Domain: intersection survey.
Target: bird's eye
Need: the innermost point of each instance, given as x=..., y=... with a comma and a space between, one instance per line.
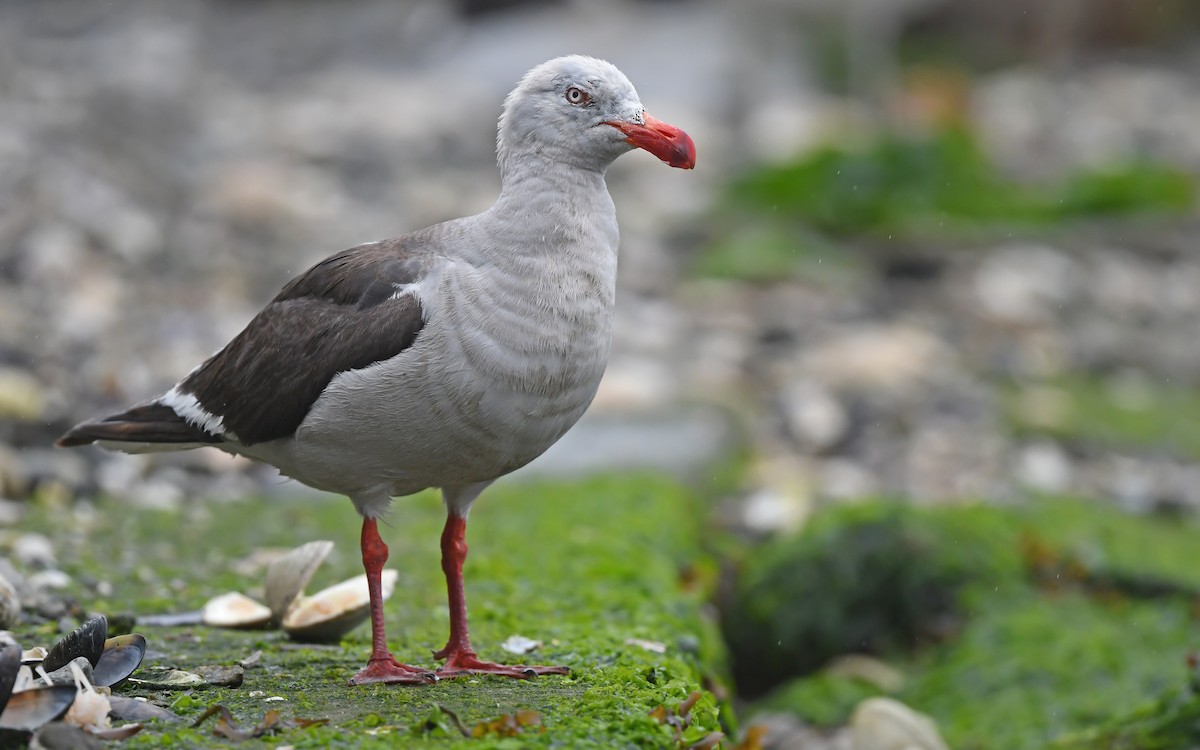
x=576, y=95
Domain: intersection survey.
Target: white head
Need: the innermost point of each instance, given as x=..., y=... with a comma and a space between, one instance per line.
x=584, y=112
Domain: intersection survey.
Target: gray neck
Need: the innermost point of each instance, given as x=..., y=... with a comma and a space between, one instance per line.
x=546, y=206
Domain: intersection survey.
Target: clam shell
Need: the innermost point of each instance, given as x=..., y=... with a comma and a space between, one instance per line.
x=235, y=610
x=288, y=574
x=122, y=655
x=10, y=663
x=87, y=640
x=30, y=709
x=329, y=614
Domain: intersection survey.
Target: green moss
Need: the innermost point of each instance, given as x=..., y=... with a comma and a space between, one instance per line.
x=582, y=567
x=1108, y=414
x=776, y=219
x=1030, y=664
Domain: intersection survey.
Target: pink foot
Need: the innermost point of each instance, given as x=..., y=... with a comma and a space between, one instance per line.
x=467, y=663
x=393, y=672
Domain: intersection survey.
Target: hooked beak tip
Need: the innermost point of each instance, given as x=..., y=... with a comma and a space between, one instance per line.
x=669, y=143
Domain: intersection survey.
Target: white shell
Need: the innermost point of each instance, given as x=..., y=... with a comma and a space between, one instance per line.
x=288, y=574
x=331, y=613
x=235, y=610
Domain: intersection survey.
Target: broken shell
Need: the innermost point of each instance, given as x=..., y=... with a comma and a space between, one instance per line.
x=10, y=664
x=30, y=709
x=65, y=675
x=234, y=610
x=122, y=655
x=171, y=679
x=87, y=640
x=329, y=614
x=35, y=655
x=288, y=574
x=125, y=708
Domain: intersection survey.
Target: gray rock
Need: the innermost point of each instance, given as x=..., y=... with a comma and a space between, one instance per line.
x=10, y=604
x=814, y=416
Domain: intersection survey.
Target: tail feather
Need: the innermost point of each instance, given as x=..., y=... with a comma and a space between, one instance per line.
x=151, y=422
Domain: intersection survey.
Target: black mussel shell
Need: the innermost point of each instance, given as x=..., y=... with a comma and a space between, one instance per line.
x=87, y=640
x=10, y=662
x=122, y=655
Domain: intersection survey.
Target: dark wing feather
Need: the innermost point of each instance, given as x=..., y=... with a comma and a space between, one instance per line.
x=342, y=314
x=151, y=422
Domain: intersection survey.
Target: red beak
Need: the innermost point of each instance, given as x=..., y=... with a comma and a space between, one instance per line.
x=667, y=142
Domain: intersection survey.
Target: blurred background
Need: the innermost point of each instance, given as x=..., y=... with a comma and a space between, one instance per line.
x=943, y=253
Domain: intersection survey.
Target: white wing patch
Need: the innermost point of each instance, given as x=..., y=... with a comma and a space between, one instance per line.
x=186, y=406
x=402, y=290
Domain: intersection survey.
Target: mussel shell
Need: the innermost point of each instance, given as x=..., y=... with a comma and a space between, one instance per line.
x=122, y=655
x=87, y=640
x=10, y=664
x=288, y=574
x=30, y=709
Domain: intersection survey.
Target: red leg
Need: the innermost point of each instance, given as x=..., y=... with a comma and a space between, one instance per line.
x=382, y=667
x=460, y=658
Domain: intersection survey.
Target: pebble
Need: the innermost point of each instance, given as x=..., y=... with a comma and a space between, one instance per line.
x=33, y=551
x=814, y=416
x=887, y=724
x=1044, y=467
x=10, y=605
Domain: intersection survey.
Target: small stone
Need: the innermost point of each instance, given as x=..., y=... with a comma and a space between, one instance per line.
x=1044, y=467
x=222, y=676
x=10, y=510
x=21, y=395
x=49, y=580
x=887, y=724
x=814, y=416
x=868, y=669
x=782, y=501
x=64, y=674
x=10, y=605
x=886, y=357
x=1023, y=284
x=33, y=551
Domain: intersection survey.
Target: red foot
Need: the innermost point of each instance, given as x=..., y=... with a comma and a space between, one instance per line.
x=392, y=672
x=467, y=663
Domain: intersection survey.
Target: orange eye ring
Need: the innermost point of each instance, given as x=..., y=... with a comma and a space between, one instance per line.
x=577, y=96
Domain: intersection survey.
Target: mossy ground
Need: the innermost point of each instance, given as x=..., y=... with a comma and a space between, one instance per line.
x=580, y=566
x=1085, y=660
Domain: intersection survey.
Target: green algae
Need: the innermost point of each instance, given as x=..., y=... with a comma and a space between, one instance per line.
x=1107, y=413
x=1036, y=664
x=582, y=567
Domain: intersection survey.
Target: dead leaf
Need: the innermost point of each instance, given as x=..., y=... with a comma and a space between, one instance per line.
x=707, y=742
x=453, y=717
x=509, y=725
x=753, y=739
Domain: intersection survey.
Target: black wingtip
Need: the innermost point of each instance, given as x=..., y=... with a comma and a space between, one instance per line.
x=151, y=422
